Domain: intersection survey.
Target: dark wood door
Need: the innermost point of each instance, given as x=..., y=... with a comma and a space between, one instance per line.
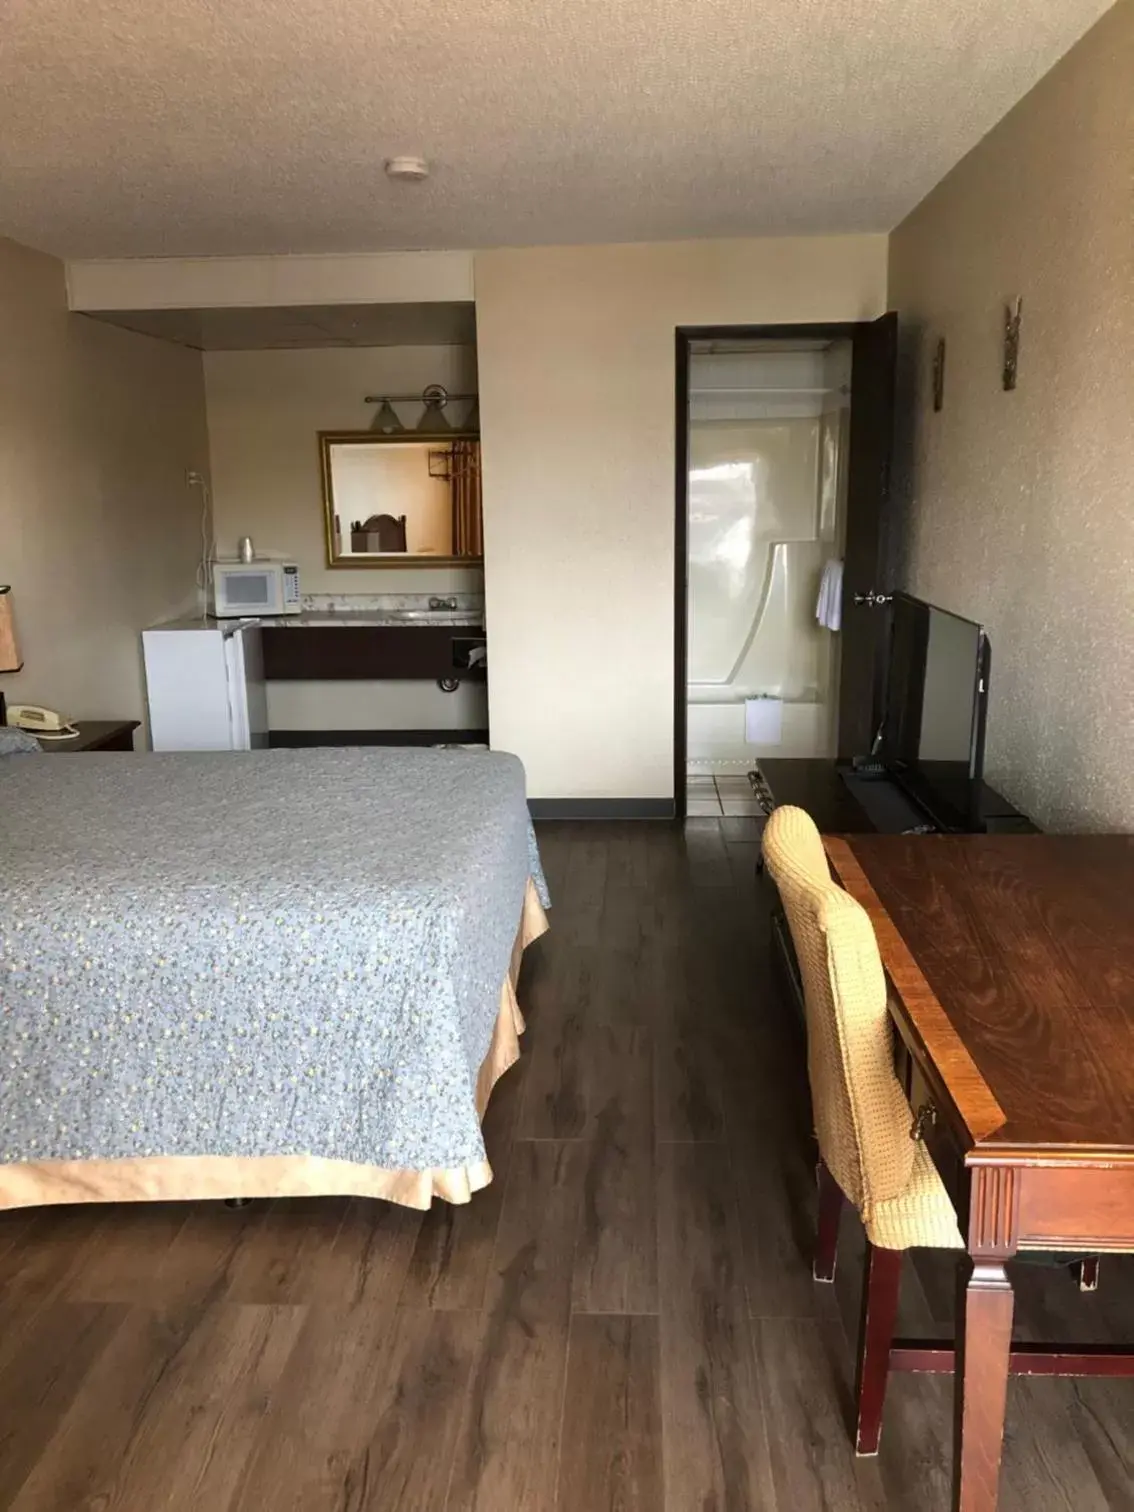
x=863, y=635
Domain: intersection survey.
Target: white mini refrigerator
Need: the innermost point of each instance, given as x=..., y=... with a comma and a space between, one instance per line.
x=205, y=687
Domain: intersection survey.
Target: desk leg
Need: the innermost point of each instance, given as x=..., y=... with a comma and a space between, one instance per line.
x=980, y=1384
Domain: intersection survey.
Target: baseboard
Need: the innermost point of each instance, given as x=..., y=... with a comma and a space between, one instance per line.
x=601, y=808
x=304, y=738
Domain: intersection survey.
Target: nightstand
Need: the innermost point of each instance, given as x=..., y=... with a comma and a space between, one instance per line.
x=96, y=735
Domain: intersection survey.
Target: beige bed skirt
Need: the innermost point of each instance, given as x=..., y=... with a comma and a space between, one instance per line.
x=166, y=1178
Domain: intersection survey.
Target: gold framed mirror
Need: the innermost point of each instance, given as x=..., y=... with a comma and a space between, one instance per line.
x=402, y=500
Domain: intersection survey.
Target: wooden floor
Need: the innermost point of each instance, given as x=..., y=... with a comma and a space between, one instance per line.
x=624, y=1320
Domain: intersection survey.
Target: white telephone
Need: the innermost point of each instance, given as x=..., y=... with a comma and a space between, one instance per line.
x=43, y=723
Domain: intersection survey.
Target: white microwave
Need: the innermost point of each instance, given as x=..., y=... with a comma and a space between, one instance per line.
x=241, y=590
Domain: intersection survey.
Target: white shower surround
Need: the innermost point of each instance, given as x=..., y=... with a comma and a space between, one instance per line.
x=767, y=489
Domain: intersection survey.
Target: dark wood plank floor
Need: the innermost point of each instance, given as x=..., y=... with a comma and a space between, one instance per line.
x=623, y=1322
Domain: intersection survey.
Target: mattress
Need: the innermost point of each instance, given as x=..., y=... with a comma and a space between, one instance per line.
x=239, y=957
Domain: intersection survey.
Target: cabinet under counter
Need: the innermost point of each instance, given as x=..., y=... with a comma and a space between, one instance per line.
x=351, y=652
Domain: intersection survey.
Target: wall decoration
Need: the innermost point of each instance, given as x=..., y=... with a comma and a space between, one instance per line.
x=1011, y=343
x=939, y=376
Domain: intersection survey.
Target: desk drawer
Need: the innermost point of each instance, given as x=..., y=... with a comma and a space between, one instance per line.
x=1076, y=1207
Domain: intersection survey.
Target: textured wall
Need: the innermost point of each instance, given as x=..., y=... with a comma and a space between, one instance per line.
x=576, y=357
x=1021, y=505
x=99, y=534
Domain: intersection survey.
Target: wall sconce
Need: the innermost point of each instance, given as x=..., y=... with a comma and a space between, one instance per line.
x=433, y=417
x=10, y=658
x=1012, y=315
x=385, y=421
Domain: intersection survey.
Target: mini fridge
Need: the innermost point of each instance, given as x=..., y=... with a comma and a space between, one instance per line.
x=205, y=686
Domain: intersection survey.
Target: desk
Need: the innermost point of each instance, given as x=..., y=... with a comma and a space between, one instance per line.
x=1012, y=964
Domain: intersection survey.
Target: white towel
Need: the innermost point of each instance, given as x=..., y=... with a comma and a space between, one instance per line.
x=829, y=608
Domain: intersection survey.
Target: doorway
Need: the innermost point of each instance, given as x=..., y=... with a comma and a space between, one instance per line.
x=782, y=477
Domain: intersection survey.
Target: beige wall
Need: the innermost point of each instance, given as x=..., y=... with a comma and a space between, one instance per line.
x=99, y=534
x=265, y=412
x=576, y=358
x=1021, y=505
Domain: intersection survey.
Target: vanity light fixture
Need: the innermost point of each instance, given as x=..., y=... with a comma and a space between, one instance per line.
x=435, y=400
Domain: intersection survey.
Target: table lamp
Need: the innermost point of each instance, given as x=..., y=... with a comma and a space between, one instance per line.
x=10, y=658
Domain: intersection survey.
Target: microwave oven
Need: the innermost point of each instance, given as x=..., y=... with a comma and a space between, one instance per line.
x=242, y=590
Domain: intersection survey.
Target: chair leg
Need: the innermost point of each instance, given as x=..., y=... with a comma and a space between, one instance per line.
x=831, y=1202
x=1088, y=1271
x=882, y=1275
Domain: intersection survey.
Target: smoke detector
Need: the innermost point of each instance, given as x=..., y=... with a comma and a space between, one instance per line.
x=408, y=170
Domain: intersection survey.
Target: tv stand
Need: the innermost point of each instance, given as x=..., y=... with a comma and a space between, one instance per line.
x=839, y=800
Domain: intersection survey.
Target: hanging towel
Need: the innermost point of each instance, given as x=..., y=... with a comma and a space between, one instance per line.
x=829, y=609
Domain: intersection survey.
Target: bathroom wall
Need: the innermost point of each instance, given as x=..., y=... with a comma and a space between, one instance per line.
x=767, y=457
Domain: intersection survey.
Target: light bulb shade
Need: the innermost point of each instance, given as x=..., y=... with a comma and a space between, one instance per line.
x=433, y=418
x=10, y=658
x=385, y=420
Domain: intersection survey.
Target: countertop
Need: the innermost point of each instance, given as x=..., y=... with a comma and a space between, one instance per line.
x=457, y=619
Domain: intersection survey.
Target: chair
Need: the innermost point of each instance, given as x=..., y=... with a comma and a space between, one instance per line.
x=869, y=1148
x=863, y=1121
x=381, y=532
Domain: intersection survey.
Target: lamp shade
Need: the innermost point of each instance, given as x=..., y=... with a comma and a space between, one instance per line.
x=10, y=658
x=386, y=421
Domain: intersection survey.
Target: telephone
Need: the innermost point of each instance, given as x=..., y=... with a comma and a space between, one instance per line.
x=44, y=723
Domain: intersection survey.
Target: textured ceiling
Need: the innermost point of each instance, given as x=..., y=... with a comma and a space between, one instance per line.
x=250, y=328
x=196, y=127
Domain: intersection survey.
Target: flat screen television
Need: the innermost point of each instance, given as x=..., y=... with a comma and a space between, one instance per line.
x=935, y=702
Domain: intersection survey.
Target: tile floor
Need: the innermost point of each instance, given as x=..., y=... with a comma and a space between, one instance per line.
x=708, y=797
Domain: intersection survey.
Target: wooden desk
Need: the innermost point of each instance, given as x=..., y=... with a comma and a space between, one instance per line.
x=1012, y=960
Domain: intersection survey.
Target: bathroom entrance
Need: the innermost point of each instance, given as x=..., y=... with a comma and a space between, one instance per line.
x=783, y=465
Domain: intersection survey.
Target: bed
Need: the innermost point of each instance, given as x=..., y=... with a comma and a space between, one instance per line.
x=262, y=974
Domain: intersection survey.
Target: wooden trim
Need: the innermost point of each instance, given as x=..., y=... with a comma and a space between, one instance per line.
x=292, y=739
x=936, y=1044
x=936, y=1357
x=326, y=440
x=601, y=808
x=826, y=330
x=681, y=572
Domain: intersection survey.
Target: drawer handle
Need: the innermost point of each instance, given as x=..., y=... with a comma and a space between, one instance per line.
x=924, y=1120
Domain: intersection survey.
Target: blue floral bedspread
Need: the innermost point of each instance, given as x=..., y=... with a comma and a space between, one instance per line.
x=263, y=953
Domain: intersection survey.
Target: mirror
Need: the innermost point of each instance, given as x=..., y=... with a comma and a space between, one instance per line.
x=401, y=500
